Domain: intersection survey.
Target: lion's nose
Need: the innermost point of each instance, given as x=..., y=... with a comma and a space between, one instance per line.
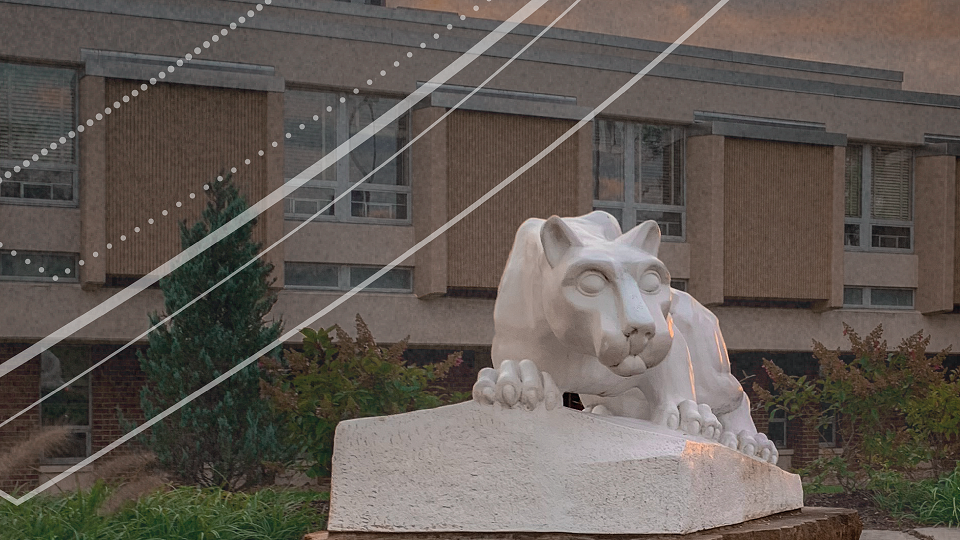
x=645, y=330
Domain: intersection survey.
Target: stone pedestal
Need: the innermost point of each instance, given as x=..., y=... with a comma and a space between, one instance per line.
x=806, y=524
x=485, y=469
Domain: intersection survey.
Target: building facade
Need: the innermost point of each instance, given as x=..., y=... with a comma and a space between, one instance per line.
x=792, y=195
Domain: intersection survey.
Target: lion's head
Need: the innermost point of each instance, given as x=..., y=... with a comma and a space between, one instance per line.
x=608, y=298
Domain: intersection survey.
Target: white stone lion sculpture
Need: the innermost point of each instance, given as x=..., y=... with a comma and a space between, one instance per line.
x=584, y=308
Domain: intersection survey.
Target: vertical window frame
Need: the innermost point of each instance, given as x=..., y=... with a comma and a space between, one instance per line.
x=866, y=222
x=342, y=211
x=8, y=164
x=629, y=208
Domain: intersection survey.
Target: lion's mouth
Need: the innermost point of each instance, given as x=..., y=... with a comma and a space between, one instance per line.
x=630, y=366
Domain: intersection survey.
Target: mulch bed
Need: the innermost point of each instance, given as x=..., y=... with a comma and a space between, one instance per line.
x=872, y=516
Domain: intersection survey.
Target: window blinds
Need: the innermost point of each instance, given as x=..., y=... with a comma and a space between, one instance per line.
x=37, y=107
x=891, y=172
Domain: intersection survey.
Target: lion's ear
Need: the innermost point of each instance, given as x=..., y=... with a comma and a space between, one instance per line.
x=645, y=236
x=557, y=238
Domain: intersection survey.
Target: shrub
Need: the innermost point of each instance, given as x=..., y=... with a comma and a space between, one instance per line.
x=889, y=406
x=331, y=381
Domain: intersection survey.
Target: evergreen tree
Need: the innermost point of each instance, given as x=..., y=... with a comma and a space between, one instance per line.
x=224, y=436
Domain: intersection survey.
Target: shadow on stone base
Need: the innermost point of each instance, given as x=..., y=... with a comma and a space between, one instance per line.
x=809, y=523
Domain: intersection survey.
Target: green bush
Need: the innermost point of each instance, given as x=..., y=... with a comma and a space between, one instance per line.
x=331, y=381
x=187, y=513
x=894, y=409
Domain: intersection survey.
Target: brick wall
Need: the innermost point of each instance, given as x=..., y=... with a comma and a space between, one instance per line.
x=116, y=385
x=19, y=389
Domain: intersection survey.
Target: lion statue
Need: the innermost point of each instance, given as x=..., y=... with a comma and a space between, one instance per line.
x=585, y=308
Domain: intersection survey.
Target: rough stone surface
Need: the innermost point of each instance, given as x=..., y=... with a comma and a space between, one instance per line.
x=469, y=467
x=940, y=533
x=886, y=535
x=808, y=524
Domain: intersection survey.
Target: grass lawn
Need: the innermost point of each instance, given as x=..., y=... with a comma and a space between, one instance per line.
x=182, y=513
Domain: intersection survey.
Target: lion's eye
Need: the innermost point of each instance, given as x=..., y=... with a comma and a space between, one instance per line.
x=650, y=282
x=591, y=283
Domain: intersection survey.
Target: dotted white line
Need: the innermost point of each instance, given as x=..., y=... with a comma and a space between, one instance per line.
x=161, y=75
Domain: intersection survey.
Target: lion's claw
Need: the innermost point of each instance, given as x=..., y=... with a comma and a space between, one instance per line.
x=755, y=445
x=516, y=383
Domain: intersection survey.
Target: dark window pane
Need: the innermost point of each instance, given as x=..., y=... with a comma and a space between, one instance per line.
x=659, y=165
x=853, y=182
x=317, y=138
x=853, y=296
x=10, y=189
x=400, y=279
x=891, y=297
x=890, y=237
x=70, y=406
x=312, y=275
x=777, y=428
x=851, y=234
x=28, y=264
x=37, y=106
x=608, y=161
x=679, y=284
x=37, y=191
x=379, y=149
x=671, y=223
x=63, y=192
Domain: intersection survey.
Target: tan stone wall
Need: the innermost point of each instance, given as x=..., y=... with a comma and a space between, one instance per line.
x=778, y=211
x=164, y=146
x=483, y=150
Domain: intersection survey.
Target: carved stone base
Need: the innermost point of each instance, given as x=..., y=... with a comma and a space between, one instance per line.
x=805, y=524
x=474, y=468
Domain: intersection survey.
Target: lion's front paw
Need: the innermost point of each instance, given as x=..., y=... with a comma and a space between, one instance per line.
x=690, y=417
x=755, y=445
x=516, y=383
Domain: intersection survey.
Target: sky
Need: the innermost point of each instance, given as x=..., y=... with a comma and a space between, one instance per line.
x=921, y=38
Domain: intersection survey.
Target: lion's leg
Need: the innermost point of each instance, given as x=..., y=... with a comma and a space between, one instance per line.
x=631, y=404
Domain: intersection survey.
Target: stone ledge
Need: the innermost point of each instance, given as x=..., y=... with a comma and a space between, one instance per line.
x=807, y=523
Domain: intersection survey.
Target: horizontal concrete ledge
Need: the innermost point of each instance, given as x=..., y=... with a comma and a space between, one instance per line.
x=768, y=133
x=807, y=523
x=939, y=149
x=507, y=105
x=142, y=67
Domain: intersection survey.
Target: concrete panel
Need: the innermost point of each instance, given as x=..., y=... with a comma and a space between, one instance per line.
x=40, y=228
x=429, y=186
x=93, y=184
x=705, y=218
x=347, y=243
x=935, y=230
x=880, y=269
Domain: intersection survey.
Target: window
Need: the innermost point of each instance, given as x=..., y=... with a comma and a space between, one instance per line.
x=638, y=174
x=678, y=284
x=382, y=198
x=878, y=198
x=38, y=266
x=337, y=277
x=37, y=111
x=828, y=432
x=777, y=428
x=69, y=407
x=876, y=297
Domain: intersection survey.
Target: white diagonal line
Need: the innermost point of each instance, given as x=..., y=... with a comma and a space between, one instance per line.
x=443, y=228
x=302, y=224
x=277, y=195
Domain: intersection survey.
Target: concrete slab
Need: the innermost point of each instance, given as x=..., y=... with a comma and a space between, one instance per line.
x=886, y=535
x=940, y=533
